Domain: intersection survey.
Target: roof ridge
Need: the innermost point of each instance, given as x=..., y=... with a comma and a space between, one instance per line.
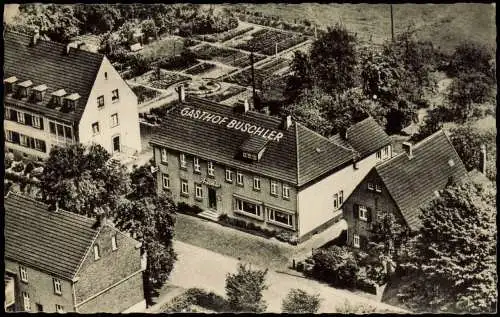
x=324, y=137
x=297, y=152
x=359, y=122
x=425, y=140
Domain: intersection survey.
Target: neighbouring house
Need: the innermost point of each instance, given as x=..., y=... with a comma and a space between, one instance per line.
x=58, y=261
x=401, y=185
x=273, y=172
x=58, y=94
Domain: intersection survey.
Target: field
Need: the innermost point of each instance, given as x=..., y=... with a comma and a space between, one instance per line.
x=266, y=41
x=446, y=25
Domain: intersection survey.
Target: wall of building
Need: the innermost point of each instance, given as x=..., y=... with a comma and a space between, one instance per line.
x=95, y=276
x=41, y=134
x=315, y=202
x=225, y=198
x=40, y=287
x=117, y=299
x=125, y=106
x=376, y=201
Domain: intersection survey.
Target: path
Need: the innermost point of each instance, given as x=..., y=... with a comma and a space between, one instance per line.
x=197, y=267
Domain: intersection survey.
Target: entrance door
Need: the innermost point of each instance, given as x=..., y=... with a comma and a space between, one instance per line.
x=212, y=198
x=116, y=144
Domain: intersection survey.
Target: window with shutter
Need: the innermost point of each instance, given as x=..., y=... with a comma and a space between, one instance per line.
x=356, y=211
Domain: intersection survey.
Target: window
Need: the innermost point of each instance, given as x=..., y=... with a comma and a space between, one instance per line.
x=274, y=188
x=229, y=175
x=63, y=131
x=256, y=182
x=378, y=155
x=23, y=273
x=356, y=241
x=114, y=120
x=26, y=301
x=9, y=136
x=164, y=156
x=184, y=188
x=196, y=164
x=97, y=254
x=100, y=101
x=59, y=309
x=39, y=307
x=57, y=286
x=248, y=208
x=363, y=213
x=114, y=245
x=36, y=122
x=165, y=181
x=286, y=191
x=95, y=128
x=210, y=168
x=378, y=188
x=239, y=178
x=370, y=186
x=280, y=217
x=387, y=151
x=341, y=197
x=198, y=191
x=40, y=145
x=182, y=158
x=338, y=199
x=115, y=95
x=24, y=140
x=20, y=117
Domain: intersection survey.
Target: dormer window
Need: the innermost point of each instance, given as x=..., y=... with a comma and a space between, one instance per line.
x=57, y=97
x=39, y=92
x=23, y=88
x=9, y=84
x=71, y=100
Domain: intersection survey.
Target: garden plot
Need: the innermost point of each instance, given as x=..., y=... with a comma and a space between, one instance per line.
x=264, y=74
x=225, y=55
x=145, y=94
x=227, y=93
x=200, y=69
x=267, y=41
x=163, y=80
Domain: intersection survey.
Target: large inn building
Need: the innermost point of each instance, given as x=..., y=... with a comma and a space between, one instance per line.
x=56, y=94
x=275, y=173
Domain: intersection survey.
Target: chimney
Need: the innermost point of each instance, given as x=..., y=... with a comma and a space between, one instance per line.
x=36, y=36
x=245, y=106
x=71, y=45
x=182, y=93
x=482, y=161
x=80, y=45
x=408, y=148
x=287, y=122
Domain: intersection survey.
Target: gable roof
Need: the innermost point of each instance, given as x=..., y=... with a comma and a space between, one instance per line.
x=413, y=182
x=53, y=241
x=365, y=137
x=292, y=159
x=47, y=63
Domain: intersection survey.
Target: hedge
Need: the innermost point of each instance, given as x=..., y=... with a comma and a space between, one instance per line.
x=246, y=226
x=188, y=209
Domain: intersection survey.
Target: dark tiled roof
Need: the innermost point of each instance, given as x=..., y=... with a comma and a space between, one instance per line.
x=367, y=137
x=293, y=159
x=253, y=144
x=413, y=182
x=53, y=241
x=47, y=63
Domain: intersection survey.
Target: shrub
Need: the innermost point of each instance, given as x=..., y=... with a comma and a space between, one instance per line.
x=300, y=266
x=244, y=290
x=29, y=167
x=19, y=167
x=367, y=285
x=181, y=303
x=8, y=159
x=287, y=236
x=298, y=301
x=188, y=209
x=207, y=300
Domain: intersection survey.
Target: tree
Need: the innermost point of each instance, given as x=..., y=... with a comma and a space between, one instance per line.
x=81, y=180
x=467, y=141
x=433, y=122
x=303, y=76
x=333, y=59
x=336, y=265
x=299, y=302
x=471, y=57
x=143, y=181
x=244, y=289
x=150, y=219
x=149, y=28
x=453, y=258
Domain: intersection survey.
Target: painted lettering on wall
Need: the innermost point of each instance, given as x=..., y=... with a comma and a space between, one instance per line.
x=249, y=128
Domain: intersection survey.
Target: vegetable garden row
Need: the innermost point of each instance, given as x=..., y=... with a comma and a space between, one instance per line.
x=264, y=41
x=225, y=56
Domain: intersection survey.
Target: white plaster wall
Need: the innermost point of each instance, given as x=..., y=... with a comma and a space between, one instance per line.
x=126, y=107
x=315, y=203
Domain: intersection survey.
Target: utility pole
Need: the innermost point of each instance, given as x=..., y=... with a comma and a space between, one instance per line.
x=392, y=25
x=253, y=77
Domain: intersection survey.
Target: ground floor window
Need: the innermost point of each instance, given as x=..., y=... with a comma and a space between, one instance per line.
x=26, y=301
x=280, y=217
x=248, y=208
x=198, y=191
x=166, y=181
x=26, y=141
x=184, y=188
x=356, y=241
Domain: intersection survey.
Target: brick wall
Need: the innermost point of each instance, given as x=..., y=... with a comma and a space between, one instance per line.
x=40, y=288
x=376, y=201
x=116, y=299
x=112, y=267
x=225, y=199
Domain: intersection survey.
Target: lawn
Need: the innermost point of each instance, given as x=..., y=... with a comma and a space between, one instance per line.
x=233, y=243
x=165, y=47
x=446, y=25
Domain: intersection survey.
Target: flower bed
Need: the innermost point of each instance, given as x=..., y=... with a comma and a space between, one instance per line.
x=144, y=94
x=166, y=80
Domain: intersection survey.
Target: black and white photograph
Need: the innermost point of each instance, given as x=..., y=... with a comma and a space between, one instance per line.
x=250, y=158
